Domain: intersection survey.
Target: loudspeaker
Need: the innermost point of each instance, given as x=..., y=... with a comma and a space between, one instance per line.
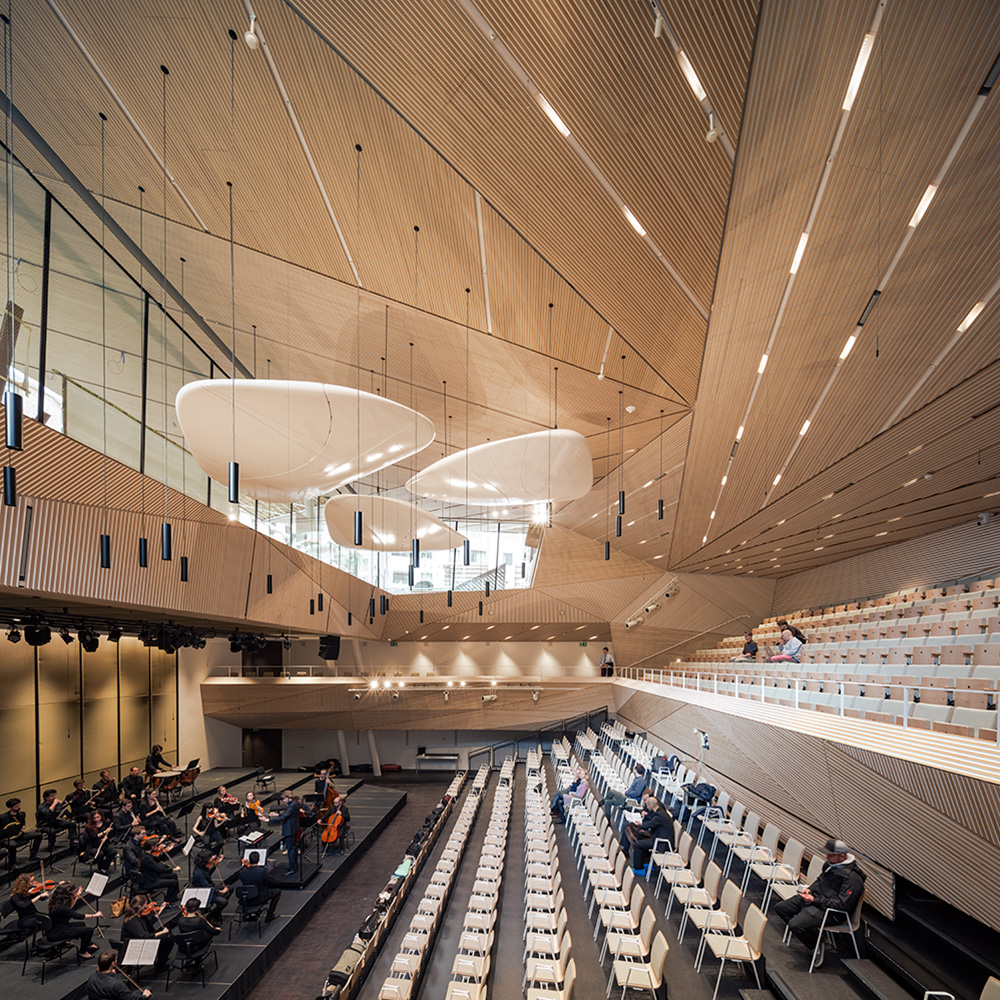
x=329, y=647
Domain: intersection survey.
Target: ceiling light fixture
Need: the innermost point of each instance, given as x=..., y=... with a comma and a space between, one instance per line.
x=633, y=221
x=551, y=114
x=692, y=77
x=739, y=433
x=851, y=340
x=762, y=365
x=725, y=480
x=253, y=42
x=777, y=479
x=799, y=251
x=805, y=427
x=971, y=318
x=923, y=205
x=859, y=70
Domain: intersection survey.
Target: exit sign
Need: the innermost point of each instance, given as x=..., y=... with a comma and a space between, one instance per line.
x=583, y=644
x=393, y=643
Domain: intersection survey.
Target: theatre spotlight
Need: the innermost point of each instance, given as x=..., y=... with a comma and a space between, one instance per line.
x=114, y=633
x=65, y=636
x=14, y=635
x=89, y=639
x=37, y=635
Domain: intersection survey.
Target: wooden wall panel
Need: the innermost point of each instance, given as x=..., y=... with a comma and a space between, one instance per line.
x=888, y=794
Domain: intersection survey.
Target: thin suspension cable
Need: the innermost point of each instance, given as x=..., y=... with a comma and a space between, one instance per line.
x=8, y=59
x=166, y=456
x=104, y=335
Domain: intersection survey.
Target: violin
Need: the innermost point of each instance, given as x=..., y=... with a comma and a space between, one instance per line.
x=257, y=808
x=36, y=887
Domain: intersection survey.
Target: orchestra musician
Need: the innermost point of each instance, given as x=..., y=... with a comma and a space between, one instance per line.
x=253, y=813
x=94, y=846
x=104, y=984
x=155, y=761
x=105, y=792
x=24, y=893
x=48, y=820
x=335, y=823
x=79, y=801
x=132, y=852
x=208, y=829
x=125, y=819
x=155, y=873
x=133, y=783
x=193, y=925
x=141, y=919
x=262, y=880
x=228, y=806
x=65, y=925
x=154, y=818
x=203, y=877
x=12, y=831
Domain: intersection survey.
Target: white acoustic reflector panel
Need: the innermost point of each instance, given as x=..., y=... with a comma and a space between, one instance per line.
x=531, y=468
x=295, y=440
x=388, y=525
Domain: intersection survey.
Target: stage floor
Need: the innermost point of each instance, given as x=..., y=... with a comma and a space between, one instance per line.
x=243, y=959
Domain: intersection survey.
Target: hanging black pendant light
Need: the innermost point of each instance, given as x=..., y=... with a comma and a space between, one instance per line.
x=166, y=541
x=270, y=579
x=350, y=618
x=105, y=551
x=480, y=608
x=14, y=404
x=9, y=486
x=312, y=606
x=618, y=525
x=467, y=552
x=319, y=602
x=416, y=551
x=358, y=527
x=184, y=569
x=607, y=551
x=421, y=616
x=449, y=598
x=234, y=482
x=144, y=553
x=371, y=608
x=487, y=588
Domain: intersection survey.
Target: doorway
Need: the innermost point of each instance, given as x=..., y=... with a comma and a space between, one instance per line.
x=262, y=748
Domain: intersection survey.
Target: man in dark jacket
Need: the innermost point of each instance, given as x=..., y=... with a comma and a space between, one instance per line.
x=288, y=818
x=261, y=880
x=105, y=985
x=839, y=887
x=655, y=826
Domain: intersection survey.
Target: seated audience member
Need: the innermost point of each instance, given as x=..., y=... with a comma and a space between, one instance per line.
x=749, y=654
x=791, y=649
x=561, y=800
x=783, y=624
x=838, y=887
x=643, y=836
x=104, y=984
x=261, y=880
x=634, y=791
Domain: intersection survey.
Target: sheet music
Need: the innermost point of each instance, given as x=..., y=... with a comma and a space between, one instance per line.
x=261, y=853
x=97, y=884
x=203, y=896
x=141, y=951
x=186, y=849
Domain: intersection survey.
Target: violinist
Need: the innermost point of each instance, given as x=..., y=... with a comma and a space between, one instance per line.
x=24, y=893
x=193, y=925
x=105, y=985
x=65, y=925
x=12, y=831
x=155, y=874
x=133, y=783
x=94, y=846
x=203, y=877
x=261, y=879
x=253, y=813
x=47, y=819
x=79, y=801
x=105, y=792
x=154, y=818
x=141, y=919
x=207, y=829
x=155, y=761
x=125, y=819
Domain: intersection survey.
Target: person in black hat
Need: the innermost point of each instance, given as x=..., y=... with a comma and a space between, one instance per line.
x=839, y=887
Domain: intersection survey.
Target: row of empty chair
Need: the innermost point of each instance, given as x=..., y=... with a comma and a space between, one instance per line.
x=418, y=942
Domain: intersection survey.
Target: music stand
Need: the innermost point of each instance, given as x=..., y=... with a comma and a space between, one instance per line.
x=184, y=811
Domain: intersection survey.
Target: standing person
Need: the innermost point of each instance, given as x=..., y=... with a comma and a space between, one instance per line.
x=289, y=820
x=260, y=878
x=606, y=663
x=749, y=653
x=105, y=985
x=791, y=649
x=13, y=832
x=838, y=887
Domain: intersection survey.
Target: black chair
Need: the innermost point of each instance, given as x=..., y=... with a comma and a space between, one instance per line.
x=10, y=933
x=248, y=909
x=190, y=956
x=48, y=951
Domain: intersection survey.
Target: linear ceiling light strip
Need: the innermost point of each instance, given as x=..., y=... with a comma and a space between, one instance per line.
x=845, y=111
x=664, y=28
x=883, y=283
x=538, y=98
x=482, y=262
x=77, y=41
x=306, y=152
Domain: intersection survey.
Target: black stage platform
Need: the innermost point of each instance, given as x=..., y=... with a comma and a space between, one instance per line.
x=243, y=959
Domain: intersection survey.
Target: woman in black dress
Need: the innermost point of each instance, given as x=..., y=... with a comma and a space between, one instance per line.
x=24, y=894
x=95, y=844
x=65, y=925
x=141, y=919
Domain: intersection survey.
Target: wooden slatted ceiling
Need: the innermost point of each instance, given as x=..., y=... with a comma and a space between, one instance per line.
x=828, y=297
